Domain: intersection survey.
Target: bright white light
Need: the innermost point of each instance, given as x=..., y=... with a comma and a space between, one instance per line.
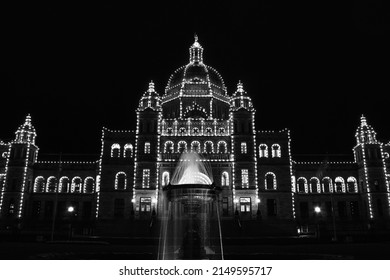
x=70, y=209
x=317, y=209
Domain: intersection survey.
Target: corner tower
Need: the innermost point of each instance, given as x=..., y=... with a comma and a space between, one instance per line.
x=17, y=185
x=370, y=159
x=145, y=193
x=243, y=142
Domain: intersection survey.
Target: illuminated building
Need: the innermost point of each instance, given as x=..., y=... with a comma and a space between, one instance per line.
x=261, y=180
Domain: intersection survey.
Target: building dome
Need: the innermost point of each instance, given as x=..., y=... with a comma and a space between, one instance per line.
x=196, y=78
x=195, y=90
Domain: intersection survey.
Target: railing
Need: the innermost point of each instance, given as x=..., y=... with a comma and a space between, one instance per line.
x=206, y=156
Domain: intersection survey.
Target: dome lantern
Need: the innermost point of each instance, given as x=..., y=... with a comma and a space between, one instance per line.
x=196, y=52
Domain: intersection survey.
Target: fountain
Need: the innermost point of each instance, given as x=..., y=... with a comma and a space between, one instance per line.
x=190, y=225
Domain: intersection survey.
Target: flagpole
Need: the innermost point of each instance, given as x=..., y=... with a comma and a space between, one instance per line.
x=333, y=216
x=56, y=199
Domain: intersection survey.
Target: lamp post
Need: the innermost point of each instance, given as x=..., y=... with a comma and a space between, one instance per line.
x=236, y=214
x=132, y=213
x=333, y=218
x=258, y=209
x=70, y=212
x=154, y=214
x=317, y=211
x=56, y=198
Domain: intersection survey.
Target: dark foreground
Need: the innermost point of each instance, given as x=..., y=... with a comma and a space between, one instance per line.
x=146, y=249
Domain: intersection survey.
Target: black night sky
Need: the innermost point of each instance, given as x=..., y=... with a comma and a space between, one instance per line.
x=311, y=67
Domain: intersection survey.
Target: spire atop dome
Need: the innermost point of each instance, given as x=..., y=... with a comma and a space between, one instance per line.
x=196, y=51
x=240, y=87
x=151, y=87
x=363, y=121
x=240, y=90
x=28, y=120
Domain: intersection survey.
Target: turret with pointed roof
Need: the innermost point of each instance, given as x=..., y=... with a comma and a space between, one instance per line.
x=26, y=132
x=150, y=99
x=365, y=134
x=241, y=99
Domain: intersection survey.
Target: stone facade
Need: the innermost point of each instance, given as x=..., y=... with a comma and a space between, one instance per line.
x=259, y=177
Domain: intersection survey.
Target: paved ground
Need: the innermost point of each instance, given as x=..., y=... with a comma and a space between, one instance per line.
x=104, y=250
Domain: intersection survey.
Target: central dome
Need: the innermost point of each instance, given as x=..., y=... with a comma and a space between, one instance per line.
x=196, y=78
x=195, y=91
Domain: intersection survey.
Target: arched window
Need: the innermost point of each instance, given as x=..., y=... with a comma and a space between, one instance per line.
x=51, y=185
x=222, y=147
x=76, y=185
x=327, y=185
x=195, y=146
x=182, y=147
x=168, y=147
x=128, y=151
x=208, y=147
x=39, y=184
x=11, y=206
x=2, y=177
x=146, y=178
x=244, y=178
x=115, y=150
x=315, y=185
x=352, y=185
x=276, y=153
x=120, y=180
x=263, y=151
x=225, y=179
x=89, y=185
x=340, y=185
x=270, y=181
x=64, y=185
x=302, y=185
x=165, y=178
x=243, y=148
x=147, y=148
